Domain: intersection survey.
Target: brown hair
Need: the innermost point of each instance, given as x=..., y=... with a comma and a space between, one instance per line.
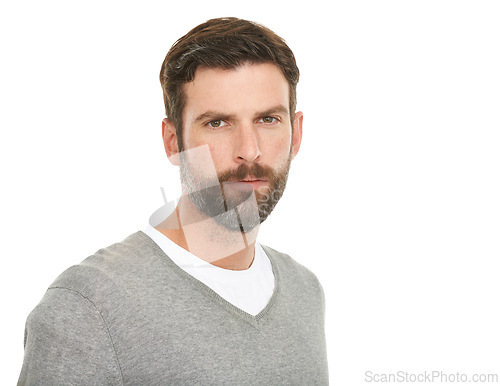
x=222, y=43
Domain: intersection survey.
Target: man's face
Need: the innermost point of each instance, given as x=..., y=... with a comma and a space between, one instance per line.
x=242, y=117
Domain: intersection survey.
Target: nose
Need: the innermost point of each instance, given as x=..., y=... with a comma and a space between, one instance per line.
x=247, y=144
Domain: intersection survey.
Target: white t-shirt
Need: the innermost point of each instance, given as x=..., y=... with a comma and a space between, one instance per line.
x=249, y=290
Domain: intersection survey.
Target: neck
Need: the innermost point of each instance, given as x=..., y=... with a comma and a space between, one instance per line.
x=208, y=240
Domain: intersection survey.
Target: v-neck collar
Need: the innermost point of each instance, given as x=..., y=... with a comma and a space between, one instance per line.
x=255, y=320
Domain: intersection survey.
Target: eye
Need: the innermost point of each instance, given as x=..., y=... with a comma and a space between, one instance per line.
x=269, y=120
x=217, y=123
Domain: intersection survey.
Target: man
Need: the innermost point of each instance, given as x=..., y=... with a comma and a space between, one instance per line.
x=194, y=299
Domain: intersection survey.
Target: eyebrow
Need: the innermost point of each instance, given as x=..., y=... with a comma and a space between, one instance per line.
x=279, y=109
x=211, y=114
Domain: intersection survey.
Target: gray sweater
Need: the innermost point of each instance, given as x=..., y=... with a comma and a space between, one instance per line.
x=128, y=315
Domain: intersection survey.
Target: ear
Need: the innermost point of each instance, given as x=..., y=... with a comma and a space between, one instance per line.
x=297, y=133
x=169, y=134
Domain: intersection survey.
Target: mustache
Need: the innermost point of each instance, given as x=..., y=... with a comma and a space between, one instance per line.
x=243, y=171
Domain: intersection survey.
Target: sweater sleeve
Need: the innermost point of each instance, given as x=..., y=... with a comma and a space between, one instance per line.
x=67, y=343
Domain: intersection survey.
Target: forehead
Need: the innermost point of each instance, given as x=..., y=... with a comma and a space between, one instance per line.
x=245, y=89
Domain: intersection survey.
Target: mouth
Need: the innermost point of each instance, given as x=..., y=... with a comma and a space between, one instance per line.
x=250, y=179
x=248, y=182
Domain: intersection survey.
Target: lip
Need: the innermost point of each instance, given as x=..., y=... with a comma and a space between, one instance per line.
x=254, y=183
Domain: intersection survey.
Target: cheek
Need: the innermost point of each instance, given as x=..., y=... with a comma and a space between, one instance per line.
x=211, y=150
x=221, y=156
x=279, y=148
x=217, y=151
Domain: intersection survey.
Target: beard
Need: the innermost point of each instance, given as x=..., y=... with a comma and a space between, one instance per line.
x=236, y=208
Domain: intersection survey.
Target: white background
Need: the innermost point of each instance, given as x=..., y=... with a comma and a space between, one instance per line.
x=392, y=200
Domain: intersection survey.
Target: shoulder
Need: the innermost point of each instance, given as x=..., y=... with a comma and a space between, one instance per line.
x=293, y=271
x=110, y=270
x=287, y=261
